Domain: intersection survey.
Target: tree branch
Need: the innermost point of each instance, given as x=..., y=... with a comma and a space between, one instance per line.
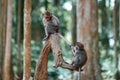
x=41, y=67
x=57, y=53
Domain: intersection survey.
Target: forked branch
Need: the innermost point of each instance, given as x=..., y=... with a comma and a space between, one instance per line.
x=41, y=67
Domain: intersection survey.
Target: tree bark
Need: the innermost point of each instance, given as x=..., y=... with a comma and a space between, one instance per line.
x=2, y=34
x=4, y=24
x=87, y=33
x=105, y=39
x=115, y=35
x=57, y=53
x=74, y=22
x=46, y=4
x=119, y=20
x=7, y=61
x=27, y=40
x=19, y=37
x=1, y=41
x=56, y=3
x=41, y=67
x=115, y=39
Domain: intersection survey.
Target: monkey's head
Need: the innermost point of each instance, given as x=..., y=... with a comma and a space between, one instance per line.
x=78, y=47
x=47, y=16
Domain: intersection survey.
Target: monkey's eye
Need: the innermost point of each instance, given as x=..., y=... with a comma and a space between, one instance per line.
x=77, y=48
x=73, y=50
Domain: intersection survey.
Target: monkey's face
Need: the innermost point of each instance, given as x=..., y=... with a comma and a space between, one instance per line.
x=75, y=49
x=47, y=18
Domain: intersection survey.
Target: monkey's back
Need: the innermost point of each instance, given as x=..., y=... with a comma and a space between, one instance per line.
x=51, y=28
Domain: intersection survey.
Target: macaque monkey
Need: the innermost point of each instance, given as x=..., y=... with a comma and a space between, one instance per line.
x=51, y=24
x=80, y=57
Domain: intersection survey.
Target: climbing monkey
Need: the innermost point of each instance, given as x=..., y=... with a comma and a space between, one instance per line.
x=80, y=57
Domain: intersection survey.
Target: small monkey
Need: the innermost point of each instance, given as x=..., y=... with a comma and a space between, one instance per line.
x=80, y=57
x=51, y=24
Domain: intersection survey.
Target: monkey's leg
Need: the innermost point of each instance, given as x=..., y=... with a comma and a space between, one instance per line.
x=46, y=34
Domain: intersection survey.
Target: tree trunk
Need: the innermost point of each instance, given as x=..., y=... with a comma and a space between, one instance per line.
x=105, y=39
x=1, y=41
x=56, y=3
x=19, y=38
x=7, y=61
x=27, y=40
x=46, y=4
x=73, y=29
x=115, y=39
x=41, y=67
x=87, y=33
x=4, y=25
x=73, y=22
x=2, y=34
x=119, y=20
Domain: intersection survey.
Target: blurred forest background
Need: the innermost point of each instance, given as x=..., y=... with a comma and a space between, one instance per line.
x=93, y=22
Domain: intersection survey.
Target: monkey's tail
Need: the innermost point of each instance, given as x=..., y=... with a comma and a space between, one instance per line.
x=64, y=39
x=79, y=74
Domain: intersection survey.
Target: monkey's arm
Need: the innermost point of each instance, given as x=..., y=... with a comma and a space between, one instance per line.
x=52, y=24
x=55, y=20
x=75, y=63
x=45, y=23
x=64, y=39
